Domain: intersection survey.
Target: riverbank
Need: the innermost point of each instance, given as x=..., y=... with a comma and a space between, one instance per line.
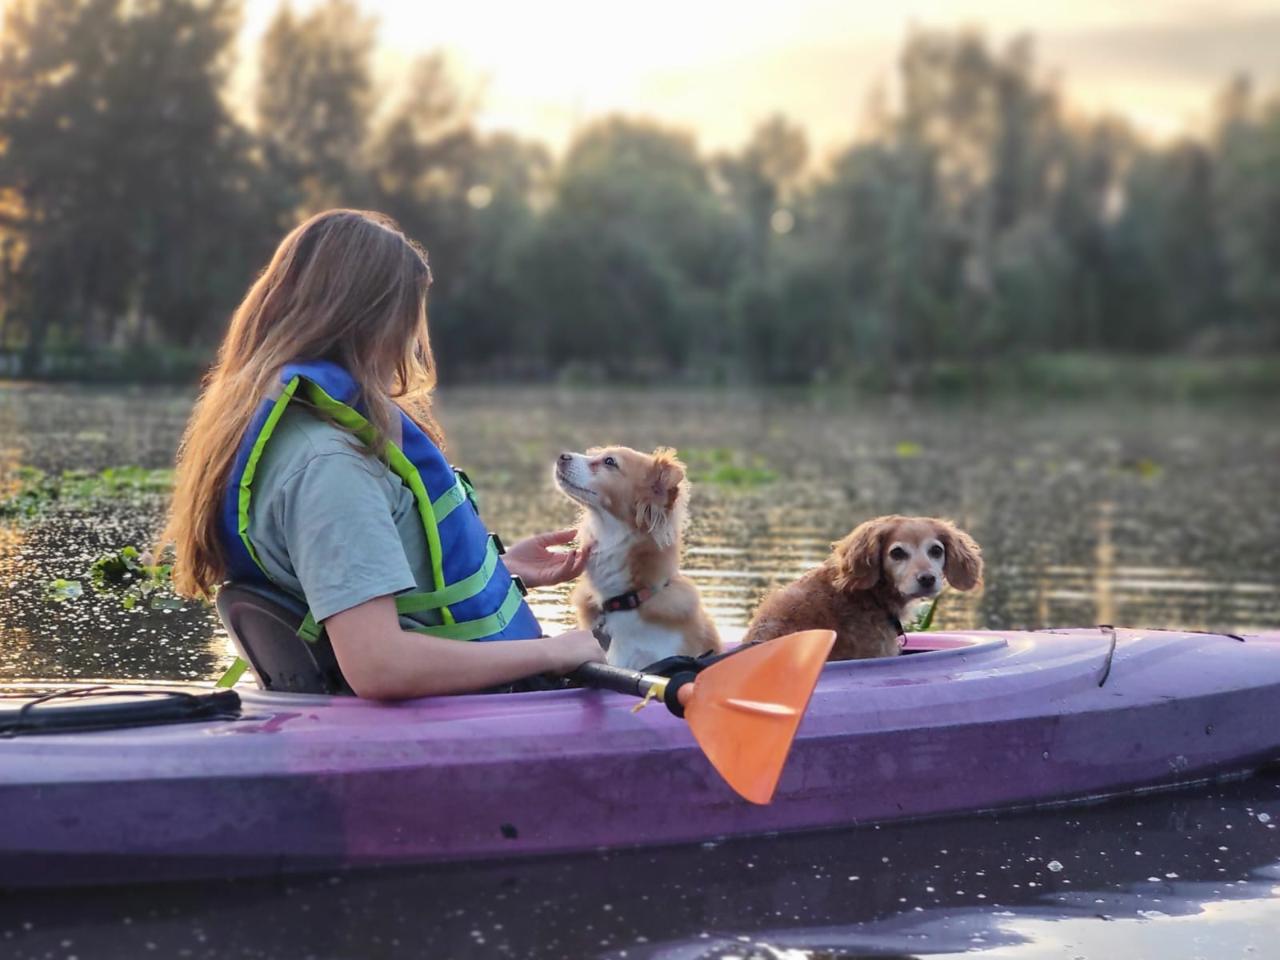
x=1058, y=375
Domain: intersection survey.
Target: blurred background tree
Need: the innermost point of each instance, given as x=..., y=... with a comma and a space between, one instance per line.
x=128, y=181
x=975, y=220
x=314, y=100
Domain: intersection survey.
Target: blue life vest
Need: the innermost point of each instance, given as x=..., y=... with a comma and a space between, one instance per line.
x=476, y=597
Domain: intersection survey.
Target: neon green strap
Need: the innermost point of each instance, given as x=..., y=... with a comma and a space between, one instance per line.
x=251, y=467
x=464, y=589
x=448, y=501
x=484, y=627
x=401, y=466
x=407, y=603
x=233, y=674
x=309, y=630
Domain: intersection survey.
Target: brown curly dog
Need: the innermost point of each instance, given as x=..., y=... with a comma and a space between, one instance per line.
x=873, y=576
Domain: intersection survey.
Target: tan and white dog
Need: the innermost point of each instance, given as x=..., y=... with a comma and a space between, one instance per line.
x=632, y=594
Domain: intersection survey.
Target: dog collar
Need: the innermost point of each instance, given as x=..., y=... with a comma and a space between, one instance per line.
x=896, y=623
x=629, y=600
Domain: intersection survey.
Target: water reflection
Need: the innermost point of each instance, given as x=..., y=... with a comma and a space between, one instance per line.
x=1137, y=515
x=1163, y=876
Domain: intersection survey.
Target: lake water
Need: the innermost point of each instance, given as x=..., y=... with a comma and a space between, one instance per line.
x=1132, y=514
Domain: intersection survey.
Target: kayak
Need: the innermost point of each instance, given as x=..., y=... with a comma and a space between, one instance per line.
x=963, y=722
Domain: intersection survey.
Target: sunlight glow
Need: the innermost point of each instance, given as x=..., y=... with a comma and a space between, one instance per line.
x=719, y=66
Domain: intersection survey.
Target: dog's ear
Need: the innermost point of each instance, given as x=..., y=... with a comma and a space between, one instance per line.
x=963, y=566
x=856, y=558
x=662, y=498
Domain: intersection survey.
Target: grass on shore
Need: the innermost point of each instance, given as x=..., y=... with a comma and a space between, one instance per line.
x=1051, y=375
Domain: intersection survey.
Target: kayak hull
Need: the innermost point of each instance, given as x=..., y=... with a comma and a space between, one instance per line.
x=973, y=722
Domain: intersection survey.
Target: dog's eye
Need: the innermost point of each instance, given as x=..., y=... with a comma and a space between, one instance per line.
x=935, y=552
x=611, y=462
x=897, y=553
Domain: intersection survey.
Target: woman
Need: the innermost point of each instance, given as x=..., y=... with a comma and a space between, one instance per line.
x=312, y=462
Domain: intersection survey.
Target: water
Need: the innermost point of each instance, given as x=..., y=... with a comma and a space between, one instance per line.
x=1144, y=516
x=1176, y=876
x=1137, y=515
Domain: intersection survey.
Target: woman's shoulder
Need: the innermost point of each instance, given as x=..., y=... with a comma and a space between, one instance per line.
x=298, y=420
x=300, y=439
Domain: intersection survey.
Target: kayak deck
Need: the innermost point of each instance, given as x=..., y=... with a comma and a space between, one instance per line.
x=973, y=721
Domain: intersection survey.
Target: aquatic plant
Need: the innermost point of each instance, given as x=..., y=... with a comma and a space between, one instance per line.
x=136, y=577
x=724, y=467
x=1144, y=468
x=60, y=591
x=38, y=493
x=923, y=620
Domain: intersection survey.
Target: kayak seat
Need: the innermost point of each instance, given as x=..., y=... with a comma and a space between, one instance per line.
x=263, y=623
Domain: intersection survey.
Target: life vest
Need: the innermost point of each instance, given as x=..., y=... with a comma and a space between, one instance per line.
x=477, y=599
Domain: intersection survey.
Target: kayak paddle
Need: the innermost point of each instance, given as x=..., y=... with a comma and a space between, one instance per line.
x=743, y=710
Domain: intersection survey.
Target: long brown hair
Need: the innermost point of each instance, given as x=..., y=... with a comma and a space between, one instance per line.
x=346, y=286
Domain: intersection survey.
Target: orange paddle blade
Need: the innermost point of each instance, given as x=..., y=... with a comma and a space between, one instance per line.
x=744, y=710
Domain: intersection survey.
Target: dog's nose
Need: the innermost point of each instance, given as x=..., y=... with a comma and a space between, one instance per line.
x=566, y=457
x=927, y=580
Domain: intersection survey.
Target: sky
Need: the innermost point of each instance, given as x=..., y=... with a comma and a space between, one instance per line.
x=718, y=67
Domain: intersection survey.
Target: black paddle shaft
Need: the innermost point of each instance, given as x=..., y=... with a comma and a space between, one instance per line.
x=633, y=682
x=618, y=679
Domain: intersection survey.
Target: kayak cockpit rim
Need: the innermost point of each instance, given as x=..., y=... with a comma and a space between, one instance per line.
x=927, y=648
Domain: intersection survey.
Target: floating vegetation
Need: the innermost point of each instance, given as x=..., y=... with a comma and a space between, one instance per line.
x=923, y=620
x=1143, y=467
x=33, y=494
x=60, y=591
x=39, y=493
x=136, y=577
x=723, y=467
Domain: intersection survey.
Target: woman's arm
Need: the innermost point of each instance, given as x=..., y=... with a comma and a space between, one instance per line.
x=382, y=661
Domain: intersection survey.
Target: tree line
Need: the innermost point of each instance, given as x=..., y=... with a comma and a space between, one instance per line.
x=975, y=216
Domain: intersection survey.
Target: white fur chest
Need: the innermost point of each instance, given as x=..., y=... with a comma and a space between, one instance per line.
x=609, y=566
x=635, y=643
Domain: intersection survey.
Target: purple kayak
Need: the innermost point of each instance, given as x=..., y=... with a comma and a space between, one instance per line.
x=966, y=722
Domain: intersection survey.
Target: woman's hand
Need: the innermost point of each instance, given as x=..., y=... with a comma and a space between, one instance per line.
x=568, y=651
x=537, y=566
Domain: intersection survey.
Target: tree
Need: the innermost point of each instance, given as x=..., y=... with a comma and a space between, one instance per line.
x=314, y=100
x=126, y=164
x=764, y=177
x=1247, y=202
x=630, y=261
x=1165, y=276
x=467, y=197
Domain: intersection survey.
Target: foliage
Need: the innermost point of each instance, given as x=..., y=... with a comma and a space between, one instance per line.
x=125, y=175
x=38, y=492
x=923, y=620
x=32, y=492
x=976, y=226
x=137, y=578
x=314, y=97
x=722, y=467
x=60, y=591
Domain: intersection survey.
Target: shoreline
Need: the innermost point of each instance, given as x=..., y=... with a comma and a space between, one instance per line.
x=1067, y=376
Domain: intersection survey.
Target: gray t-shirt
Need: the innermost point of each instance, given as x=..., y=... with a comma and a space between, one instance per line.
x=332, y=524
